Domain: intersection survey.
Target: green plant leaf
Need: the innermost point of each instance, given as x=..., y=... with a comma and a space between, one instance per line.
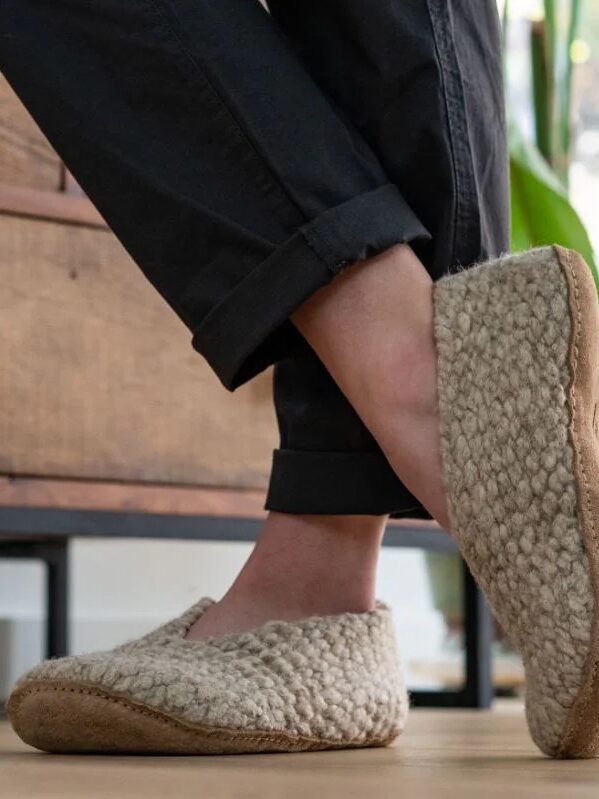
x=543, y=87
x=541, y=211
x=564, y=92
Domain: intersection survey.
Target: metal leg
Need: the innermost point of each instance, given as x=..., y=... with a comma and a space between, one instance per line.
x=478, y=629
x=57, y=619
x=477, y=691
x=55, y=555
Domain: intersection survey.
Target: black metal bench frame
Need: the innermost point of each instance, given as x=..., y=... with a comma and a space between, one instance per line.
x=43, y=534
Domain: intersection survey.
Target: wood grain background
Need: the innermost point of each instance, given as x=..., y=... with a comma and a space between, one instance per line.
x=26, y=158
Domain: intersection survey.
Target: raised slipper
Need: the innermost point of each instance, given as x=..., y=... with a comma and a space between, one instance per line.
x=328, y=682
x=518, y=380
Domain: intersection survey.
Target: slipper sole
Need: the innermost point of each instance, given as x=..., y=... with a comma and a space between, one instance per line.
x=68, y=717
x=581, y=738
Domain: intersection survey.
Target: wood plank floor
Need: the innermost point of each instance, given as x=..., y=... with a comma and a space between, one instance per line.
x=444, y=754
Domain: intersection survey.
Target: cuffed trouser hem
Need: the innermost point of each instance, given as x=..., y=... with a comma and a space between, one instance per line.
x=345, y=483
x=249, y=329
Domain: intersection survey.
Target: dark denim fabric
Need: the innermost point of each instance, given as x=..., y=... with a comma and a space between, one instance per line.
x=245, y=159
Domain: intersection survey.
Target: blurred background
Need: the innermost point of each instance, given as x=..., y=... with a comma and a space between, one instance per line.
x=92, y=362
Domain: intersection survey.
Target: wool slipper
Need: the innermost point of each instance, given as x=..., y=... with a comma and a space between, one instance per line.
x=330, y=682
x=518, y=381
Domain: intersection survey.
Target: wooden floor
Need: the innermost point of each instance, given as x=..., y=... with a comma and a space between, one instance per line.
x=444, y=754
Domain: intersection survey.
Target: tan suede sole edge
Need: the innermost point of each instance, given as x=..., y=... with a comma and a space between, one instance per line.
x=581, y=737
x=64, y=716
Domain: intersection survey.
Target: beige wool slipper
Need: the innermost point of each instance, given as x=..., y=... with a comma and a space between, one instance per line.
x=518, y=379
x=328, y=682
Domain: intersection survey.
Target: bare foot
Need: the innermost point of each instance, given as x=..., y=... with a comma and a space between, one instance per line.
x=301, y=566
x=373, y=329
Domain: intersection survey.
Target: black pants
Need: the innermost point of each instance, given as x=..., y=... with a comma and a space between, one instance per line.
x=244, y=159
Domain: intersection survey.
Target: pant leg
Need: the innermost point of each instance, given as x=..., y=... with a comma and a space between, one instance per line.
x=422, y=82
x=328, y=463
x=131, y=95
x=233, y=181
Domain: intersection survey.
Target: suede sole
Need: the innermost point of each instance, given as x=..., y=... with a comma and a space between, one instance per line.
x=581, y=738
x=67, y=717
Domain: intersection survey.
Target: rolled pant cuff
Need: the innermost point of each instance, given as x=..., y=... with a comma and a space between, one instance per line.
x=250, y=329
x=338, y=483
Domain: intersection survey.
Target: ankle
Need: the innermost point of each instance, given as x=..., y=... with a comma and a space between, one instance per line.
x=315, y=562
x=273, y=599
x=301, y=566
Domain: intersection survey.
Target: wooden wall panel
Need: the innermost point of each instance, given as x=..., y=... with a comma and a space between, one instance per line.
x=26, y=158
x=98, y=378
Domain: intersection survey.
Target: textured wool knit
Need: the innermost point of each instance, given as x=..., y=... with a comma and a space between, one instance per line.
x=320, y=682
x=503, y=333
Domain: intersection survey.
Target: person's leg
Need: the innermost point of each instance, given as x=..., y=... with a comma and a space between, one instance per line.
x=329, y=462
x=517, y=344
x=229, y=176
x=302, y=566
x=237, y=188
x=514, y=364
x=441, y=137
x=373, y=330
x=130, y=177
x=403, y=74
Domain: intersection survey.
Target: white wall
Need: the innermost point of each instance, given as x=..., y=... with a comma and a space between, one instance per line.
x=120, y=589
